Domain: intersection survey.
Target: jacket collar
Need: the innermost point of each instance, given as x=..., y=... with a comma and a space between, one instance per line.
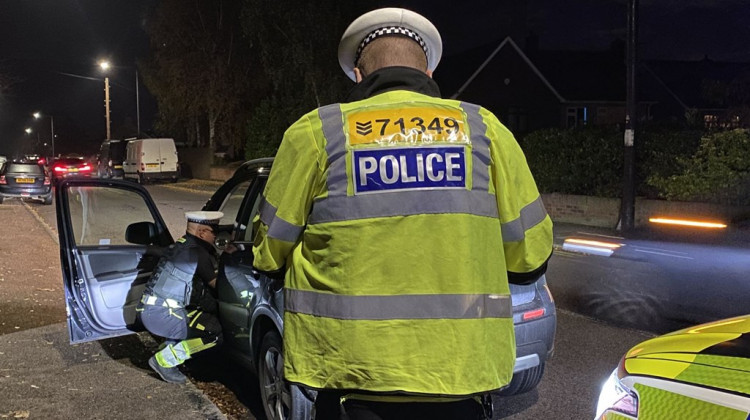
x=394, y=78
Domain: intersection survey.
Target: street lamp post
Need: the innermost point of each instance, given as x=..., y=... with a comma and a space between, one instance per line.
x=38, y=115
x=105, y=65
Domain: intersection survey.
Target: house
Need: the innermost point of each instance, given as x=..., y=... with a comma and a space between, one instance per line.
x=532, y=89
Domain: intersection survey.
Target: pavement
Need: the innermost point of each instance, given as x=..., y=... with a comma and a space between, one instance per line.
x=42, y=376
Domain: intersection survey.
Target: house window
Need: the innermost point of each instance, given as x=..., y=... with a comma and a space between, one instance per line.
x=517, y=120
x=711, y=121
x=577, y=117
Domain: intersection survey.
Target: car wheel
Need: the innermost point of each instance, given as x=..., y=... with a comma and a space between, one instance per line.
x=281, y=401
x=109, y=173
x=48, y=199
x=524, y=381
x=1, y=199
x=140, y=179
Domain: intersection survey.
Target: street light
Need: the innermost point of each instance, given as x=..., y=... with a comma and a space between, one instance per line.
x=38, y=115
x=105, y=66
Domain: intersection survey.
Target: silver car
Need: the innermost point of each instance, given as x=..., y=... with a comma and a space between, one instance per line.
x=106, y=262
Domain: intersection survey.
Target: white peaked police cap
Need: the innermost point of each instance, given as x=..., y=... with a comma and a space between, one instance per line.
x=388, y=21
x=204, y=217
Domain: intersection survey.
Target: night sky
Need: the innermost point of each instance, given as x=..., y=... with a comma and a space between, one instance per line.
x=52, y=47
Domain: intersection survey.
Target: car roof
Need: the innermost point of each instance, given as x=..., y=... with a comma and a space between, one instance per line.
x=255, y=165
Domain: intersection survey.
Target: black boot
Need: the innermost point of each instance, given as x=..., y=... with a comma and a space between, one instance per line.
x=171, y=375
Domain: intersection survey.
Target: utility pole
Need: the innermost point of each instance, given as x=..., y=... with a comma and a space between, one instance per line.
x=137, y=104
x=106, y=103
x=627, y=209
x=52, y=132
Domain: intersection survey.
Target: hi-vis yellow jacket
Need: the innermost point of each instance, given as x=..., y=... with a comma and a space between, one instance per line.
x=398, y=218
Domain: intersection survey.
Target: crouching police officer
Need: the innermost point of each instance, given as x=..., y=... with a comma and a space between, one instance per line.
x=178, y=302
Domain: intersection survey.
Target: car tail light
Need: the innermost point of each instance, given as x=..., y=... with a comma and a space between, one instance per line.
x=85, y=168
x=529, y=315
x=46, y=180
x=60, y=169
x=41, y=161
x=2, y=180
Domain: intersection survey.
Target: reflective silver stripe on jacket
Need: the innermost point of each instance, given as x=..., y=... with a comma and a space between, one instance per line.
x=278, y=228
x=337, y=206
x=531, y=215
x=470, y=306
x=480, y=145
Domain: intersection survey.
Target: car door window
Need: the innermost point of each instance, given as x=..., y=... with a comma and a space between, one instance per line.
x=101, y=215
x=232, y=203
x=250, y=217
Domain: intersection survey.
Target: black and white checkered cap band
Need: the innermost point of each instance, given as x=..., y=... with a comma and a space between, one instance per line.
x=389, y=30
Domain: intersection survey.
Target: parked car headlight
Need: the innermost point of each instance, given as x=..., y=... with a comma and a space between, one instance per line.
x=617, y=397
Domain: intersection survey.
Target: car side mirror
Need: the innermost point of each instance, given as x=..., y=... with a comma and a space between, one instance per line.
x=141, y=233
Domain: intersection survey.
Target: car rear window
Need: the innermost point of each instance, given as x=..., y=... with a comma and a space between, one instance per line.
x=69, y=161
x=19, y=168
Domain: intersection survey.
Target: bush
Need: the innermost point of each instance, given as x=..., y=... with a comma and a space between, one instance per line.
x=589, y=161
x=718, y=172
x=584, y=161
x=659, y=150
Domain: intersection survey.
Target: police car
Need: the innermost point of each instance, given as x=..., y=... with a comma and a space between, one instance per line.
x=106, y=262
x=702, y=372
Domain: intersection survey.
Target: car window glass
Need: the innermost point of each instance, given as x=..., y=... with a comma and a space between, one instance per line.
x=101, y=215
x=232, y=203
x=25, y=169
x=253, y=217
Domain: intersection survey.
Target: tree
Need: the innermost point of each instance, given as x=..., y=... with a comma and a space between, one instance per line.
x=296, y=44
x=199, y=71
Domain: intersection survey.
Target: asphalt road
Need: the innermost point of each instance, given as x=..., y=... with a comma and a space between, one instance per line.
x=586, y=350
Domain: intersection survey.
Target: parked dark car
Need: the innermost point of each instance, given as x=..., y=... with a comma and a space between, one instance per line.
x=25, y=180
x=666, y=275
x=106, y=262
x=67, y=167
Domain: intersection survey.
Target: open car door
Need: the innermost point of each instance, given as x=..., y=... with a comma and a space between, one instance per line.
x=111, y=238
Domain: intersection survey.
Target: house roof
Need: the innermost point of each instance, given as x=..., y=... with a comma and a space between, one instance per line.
x=593, y=76
x=569, y=75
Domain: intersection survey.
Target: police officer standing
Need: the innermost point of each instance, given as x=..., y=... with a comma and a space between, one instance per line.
x=399, y=218
x=178, y=302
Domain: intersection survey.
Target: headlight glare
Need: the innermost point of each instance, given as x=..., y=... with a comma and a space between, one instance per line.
x=616, y=397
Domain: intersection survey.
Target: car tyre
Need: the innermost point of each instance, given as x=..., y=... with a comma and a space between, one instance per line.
x=140, y=179
x=281, y=400
x=47, y=200
x=524, y=381
x=1, y=199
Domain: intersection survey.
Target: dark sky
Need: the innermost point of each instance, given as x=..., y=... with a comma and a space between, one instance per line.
x=53, y=47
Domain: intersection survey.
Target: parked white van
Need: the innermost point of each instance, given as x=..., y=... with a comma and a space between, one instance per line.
x=150, y=159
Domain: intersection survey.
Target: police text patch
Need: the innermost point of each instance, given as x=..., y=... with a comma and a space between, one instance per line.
x=405, y=168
